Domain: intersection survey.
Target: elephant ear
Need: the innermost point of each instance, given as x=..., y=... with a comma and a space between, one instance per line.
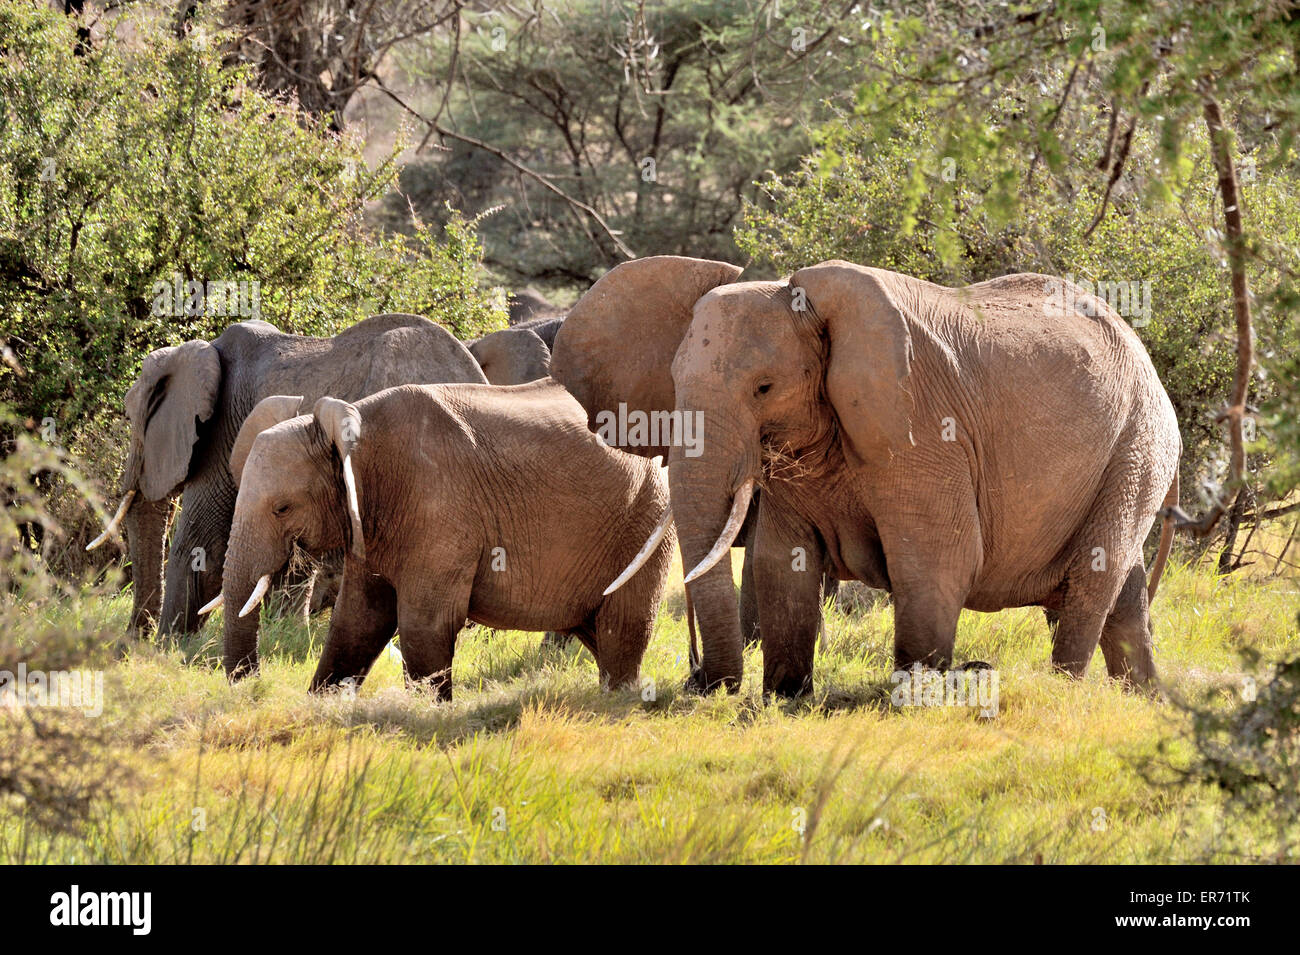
x=178, y=386
x=869, y=368
x=617, y=344
x=340, y=423
x=268, y=412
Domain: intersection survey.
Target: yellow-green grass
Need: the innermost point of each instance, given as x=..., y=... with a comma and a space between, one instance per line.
x=531, y=762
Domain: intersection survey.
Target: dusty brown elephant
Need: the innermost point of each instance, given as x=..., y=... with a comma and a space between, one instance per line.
x=433, y=490
x=185, y=410
x=961, y=448
x=512, y=356
x=615, y=350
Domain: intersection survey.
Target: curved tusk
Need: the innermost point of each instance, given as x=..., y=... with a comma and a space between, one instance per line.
x=263, y=585
x=737, y=517
x=111, y=527
x=354, y=509
x=212, y=604
x=656, y=535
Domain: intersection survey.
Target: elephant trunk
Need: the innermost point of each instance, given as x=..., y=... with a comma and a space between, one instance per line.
x=252, y=560
x=146, y=531
x=704, y=491
x=194, y=565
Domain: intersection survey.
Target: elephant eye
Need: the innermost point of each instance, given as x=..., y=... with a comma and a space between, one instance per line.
x=762, y=388
x=280, y=510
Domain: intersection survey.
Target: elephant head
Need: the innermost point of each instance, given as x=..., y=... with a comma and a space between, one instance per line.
x=512, y=356
x=297, y=485
x=779, y=372
x=176, y=391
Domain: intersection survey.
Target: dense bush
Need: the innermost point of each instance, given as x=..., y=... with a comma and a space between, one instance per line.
x=139, y=160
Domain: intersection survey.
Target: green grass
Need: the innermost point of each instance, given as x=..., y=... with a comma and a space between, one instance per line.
x=571, y=774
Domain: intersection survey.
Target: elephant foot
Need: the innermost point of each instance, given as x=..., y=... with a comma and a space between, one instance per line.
x=699, y=683
x=237, y=670
x=975, y=665
x=790, y=687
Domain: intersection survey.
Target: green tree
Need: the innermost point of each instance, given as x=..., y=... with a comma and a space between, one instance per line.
x=601, y=129
x=143, y=160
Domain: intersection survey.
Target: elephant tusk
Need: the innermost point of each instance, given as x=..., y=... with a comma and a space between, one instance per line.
x=111, y=527
x=737, y=517
x=656, y=535
x=263, y=585
x=213, y=604
x=354, y=509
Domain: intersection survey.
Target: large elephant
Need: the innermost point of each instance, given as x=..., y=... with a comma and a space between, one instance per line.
x=971, y=448
x=186, y=408
x=615, y=349
x=433, y=492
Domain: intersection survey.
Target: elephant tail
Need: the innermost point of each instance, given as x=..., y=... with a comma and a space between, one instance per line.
x=1166, y=540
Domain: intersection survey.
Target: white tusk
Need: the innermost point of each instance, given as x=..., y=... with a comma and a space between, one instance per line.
x=737, y=517
x=656, y=535
x=354, y=510
x=263, y=585
x=111, y=527
x=213, y=604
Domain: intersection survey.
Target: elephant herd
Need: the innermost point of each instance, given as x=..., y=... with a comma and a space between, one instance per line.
x=960, y=448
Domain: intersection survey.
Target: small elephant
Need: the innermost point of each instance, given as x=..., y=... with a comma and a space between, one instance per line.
x=433, y=491
x=512, y=356
x=185, y=410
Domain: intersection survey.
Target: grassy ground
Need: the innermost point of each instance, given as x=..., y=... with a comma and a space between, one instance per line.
x=532, y=763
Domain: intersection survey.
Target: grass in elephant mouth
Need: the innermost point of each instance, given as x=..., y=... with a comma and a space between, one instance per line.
x=532, y=763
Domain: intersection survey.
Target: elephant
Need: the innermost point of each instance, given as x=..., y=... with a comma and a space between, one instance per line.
x=546, y=328
x=526, y=305
x=432, y=490
x=512, y=356
x=615, y=349
x=979, y=447
x=185, y=410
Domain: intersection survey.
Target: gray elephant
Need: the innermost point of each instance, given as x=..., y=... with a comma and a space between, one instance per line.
x=185, y=410
x=432, y=491
x=971, y=448
x=545, y=328
x=615, y=349
x=512, y=356
x=528, y=304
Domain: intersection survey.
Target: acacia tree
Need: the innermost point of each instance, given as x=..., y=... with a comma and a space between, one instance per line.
x=606, y=129
x=1170, y=70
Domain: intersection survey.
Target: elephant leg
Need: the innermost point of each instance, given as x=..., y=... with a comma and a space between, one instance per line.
x=1126, y=635
x=364, y=620
x=749, y=627
x=198, y=553
x=428, y=639
x=146, y=535
x=1102, y=565
x=622, y=634
x=932, y=568
x=788, y=569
